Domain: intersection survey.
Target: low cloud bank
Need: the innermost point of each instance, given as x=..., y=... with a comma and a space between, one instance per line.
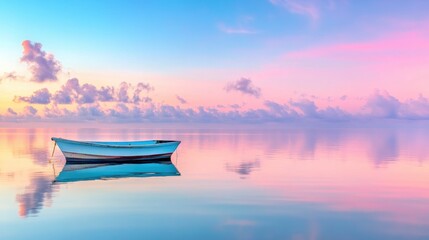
x=73, y=92
x=379, y=105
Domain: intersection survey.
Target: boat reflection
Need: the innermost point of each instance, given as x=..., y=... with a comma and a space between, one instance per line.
x=87, y=172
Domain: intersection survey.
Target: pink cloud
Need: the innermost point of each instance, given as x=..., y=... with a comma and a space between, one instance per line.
x=407, y=44
x=43, y=66
x=9, y=76
x=380, y=105
x=139, y=89
x=181, y=100
x=245, y=86
x=41, y=96
x=383, y=105
x=29, y=111
x=11, y=112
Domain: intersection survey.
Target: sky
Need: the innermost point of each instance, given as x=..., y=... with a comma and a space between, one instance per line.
x=246, y=61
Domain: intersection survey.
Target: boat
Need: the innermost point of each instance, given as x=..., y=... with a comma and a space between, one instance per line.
x=87, y=172
x=115, y=152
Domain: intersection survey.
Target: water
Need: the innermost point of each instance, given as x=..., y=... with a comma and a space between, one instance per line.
x=303, y=183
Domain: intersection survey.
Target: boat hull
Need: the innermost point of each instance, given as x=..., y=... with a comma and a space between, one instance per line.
x=87, y=158
x=115, y=152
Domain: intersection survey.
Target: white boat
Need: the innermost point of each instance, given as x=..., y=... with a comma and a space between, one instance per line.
x=115, y=152
x=86, y=172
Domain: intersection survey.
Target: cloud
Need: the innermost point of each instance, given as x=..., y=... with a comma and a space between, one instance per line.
x=12, y=112
x=152, y=113
x=279, y=111
x=68, y=93
x=181, y=100
x=87, y=94
x=41, y=96
x=43, y=66
x=410, y=45
x=128, y=112
x=244, y=168
x=304, y=8
x=73, y=92
x=62, y=97
x=29, y=111
x=125, y=89
x=106, y=94
x=416, y=108
x=308, y=109
x=9, y=76
x=382, y=105
x=123, y=92
x=139, y=89
x=90, y=112
x=35, y=196
x=235, y=106
x=245, y=86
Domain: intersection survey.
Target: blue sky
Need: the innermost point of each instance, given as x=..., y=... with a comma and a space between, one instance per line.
x=175, y=34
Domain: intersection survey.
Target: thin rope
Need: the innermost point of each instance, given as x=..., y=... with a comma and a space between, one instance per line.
x=53, y=168
x=53, y=151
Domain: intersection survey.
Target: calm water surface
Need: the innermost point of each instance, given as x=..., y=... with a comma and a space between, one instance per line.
x=358, y=183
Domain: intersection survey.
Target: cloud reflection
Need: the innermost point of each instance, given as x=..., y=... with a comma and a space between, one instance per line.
x=384, y=148
x=35, y=196
x=244, y=168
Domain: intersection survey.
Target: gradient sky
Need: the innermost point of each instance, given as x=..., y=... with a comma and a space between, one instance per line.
x=265, y=60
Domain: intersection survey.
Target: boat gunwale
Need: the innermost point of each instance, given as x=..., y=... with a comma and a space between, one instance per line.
x=100, y=144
